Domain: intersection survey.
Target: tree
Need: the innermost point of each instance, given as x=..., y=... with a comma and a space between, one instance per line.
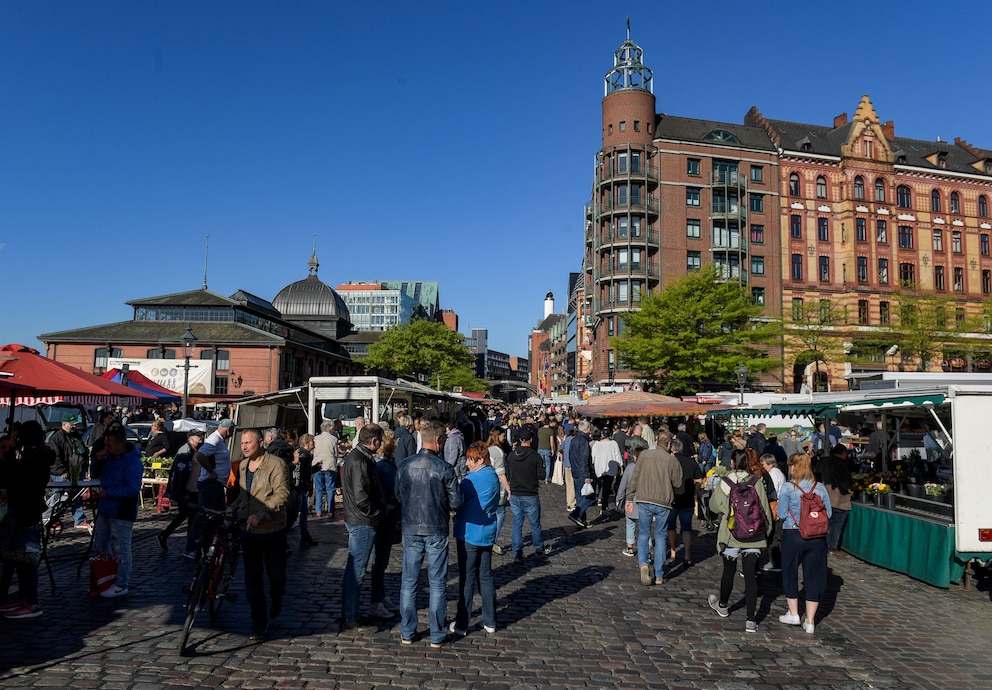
x=428, y=348
x=811, y=332
x=698, y=328
x=921, y=329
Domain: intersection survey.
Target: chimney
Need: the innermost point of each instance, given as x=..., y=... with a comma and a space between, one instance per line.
x=840, y=120
x=889, y=130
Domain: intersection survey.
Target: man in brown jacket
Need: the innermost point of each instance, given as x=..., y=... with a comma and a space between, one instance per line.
x=652, y=486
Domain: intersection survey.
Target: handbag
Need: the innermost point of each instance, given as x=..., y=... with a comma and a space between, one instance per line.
x=558, y=475
x=103, y=573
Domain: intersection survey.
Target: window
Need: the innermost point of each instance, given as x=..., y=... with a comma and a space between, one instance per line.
x=859, y=187
x=694, y=261
x=824, y=269
x=986, y=282
x=956, y=241
x=983, y=244
x=795, y=227
x=959, y=318
x=622, y=228
x=793, y=184
x=935, y=201
x=622, y=260
x=883, y=313
x=635, y=259
x=881, y=232
x=955, y=203
x=635, y=290
x=610, y=129
x=905, y=237
x=726, y=237
x=940, y=316
x=637, y=125
x=622, y=296
x=692, y=228
x=821, y=187
x=869, y=148
x=623, y=126
x=825, y=311
x=622, y=163
x=692, y=196
x=938, y=278
x=220, y=385
x=879, y=189
x=883, y=271
x=938, y=240
x=160, y=353
x=822, y=232
x=862, y=269
x=983, y=206
x=609, y=326
x=903, y=199
x=758, y=296
x=621, y=195
x=692, y=166
x=958, y=279
x=797, y=308
x=757, y=203
x=797, y=266
x=758, y=265
x=863, y=312
x=907, y=274
x=635, y=226
x=757, y=175
x=860, y=230
x=101, y=355
x=635, y=161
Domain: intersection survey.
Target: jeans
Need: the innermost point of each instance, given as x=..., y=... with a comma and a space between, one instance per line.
x=475, y=564
x=383, y=545
x=529, y=506
x=323, y=483
x=812, y=555
x=646, y=512
x=631, y=523
x=582, y=503
x=836, y=522
x=361, y=539
x=78, y=516
x=297, y=507
x=415, y=548
x=680, y=515
x=263, y=554
x=113, y=536
x=548, y=465
x=500, y=519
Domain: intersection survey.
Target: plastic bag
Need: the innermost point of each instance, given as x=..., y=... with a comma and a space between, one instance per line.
x=587, y=490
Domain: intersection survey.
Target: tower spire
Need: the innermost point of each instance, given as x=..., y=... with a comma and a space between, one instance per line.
x=313, y=264
x=206, y=255
x=628, y=70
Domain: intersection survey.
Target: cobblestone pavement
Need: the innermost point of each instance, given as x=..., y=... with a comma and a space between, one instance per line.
x=580, y=619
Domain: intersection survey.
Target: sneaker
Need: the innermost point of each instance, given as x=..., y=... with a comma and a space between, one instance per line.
x=645, y=575
x=13, y=604
x=388, y=603
x=769, y=567
x=113, y=592
x=452, y=630
x=82, y=525
x=750, y=626
x=379, y=610
x=191, y=555
x=406, y=640
x=789, y=619
x=257, y=635
x=715, y=604
x=543, y=551
x=582, y=524
x=519, y=558
x=447, y=639
x=659, y=580
x=491, y=629
x=809, y=628
x=497, y=549
x=163, y=541
x=318, y=514
x=32, y=611
x=628, y=551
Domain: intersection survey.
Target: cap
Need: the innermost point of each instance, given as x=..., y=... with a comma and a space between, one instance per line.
x=226, y=424
x=70, y=418
x=525, y=434
x=195, y=432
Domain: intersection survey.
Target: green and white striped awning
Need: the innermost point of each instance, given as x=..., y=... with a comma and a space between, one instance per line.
x=831, y=406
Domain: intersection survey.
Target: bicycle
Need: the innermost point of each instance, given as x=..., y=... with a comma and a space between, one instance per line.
x=214, y=572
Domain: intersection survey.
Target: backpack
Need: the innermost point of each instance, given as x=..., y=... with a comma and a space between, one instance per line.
x=812, y=520
x=746, y=520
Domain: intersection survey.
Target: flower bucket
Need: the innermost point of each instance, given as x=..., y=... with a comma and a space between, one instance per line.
x=889, y=501
x=915, y=490
x=877, y=500
x=939, y=498
x=861, y=497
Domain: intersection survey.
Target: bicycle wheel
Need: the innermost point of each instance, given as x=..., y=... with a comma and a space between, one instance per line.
x=197, y=594
x=219, y=583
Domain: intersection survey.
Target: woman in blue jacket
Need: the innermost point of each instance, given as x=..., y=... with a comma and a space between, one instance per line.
x=796, y=551
x=475, y=530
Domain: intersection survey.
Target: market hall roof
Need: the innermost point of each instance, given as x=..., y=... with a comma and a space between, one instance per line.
x=311, y=297
x=124, y=332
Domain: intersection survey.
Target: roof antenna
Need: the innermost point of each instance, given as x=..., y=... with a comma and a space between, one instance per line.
x=628, y=28
x=206, y=255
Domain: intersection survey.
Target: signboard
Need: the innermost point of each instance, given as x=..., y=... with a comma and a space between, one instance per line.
x=169, y=373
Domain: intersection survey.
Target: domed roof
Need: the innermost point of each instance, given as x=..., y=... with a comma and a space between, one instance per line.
x=310, y=297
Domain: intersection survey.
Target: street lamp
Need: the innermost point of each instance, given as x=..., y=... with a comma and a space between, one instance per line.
x=188, y=340
x=742, y=373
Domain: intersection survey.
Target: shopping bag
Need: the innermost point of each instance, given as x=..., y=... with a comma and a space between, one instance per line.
x=103, y=573
x=587, y=490
x=558, y=475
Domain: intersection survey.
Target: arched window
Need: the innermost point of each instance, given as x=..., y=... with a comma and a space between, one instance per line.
x=101, y=354
x=160, y=353
x=934, y=201
x=793, y=184
x=983, y=206
x=955, y=203
x=859, y=187
x=821, y=187
x=903, y=198
x=880, y=189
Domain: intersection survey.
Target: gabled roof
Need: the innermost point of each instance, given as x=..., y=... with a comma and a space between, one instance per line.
x=125, y=332
x=196, y=298
x=689, y=129
x=796, y=136
x=249, y=300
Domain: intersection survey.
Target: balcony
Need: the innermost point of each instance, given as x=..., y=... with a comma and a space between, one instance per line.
x=644, y=203
x=727, y=178
x=630, y=172
x=728, y=211
x=643, y=238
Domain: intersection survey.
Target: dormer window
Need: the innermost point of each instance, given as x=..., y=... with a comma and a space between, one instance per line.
x=942, y=159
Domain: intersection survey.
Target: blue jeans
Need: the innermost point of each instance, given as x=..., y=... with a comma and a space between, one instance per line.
x=836, y=522
x=415, y=548
x=646, y=513
x=680, y=515
x=548, y=466
x=114, y=536
x=631, y=524
x=78, y=516
x=361, y=539
x=475, y=563
x=500, y=519
x=529, y=506
x=582, y=503
x=323, y=483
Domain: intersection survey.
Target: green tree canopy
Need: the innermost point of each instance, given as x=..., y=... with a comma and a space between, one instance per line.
x=698, y=328
x=429, y=348
x=921, y=327
x=811, y=331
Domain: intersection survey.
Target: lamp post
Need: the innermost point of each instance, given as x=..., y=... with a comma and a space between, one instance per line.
x=742, y=373
x=188, y=340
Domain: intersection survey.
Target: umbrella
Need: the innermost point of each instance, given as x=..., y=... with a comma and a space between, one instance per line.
x=138, y=381
x=639, y=403
x=49, y=381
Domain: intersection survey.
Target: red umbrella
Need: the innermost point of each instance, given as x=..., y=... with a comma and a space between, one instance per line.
x=639, y=403
x=48, y=379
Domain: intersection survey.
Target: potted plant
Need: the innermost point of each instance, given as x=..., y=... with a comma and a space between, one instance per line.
x=879, y=491
x=859, y=486
x=935, y=492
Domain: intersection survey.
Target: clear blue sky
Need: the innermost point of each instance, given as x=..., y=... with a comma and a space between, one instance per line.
x=448, y=141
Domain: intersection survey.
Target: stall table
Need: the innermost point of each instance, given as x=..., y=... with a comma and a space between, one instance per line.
x=66, y=494
x=158, y=485
x=916, y=546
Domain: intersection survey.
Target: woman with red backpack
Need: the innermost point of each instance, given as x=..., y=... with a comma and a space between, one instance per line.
x=802, y=541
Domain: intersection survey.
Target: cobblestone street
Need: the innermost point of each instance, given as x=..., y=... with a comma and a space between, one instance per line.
x=579, y=619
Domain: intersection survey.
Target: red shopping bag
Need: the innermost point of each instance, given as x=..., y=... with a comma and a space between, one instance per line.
x=103, y=573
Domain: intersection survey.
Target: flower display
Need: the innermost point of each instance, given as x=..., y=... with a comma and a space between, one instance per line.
x=935, y=489
x=879, y=488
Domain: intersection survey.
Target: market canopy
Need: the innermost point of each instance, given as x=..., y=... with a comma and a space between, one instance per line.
x=639, y=403
x=830, y=405
x=50, y=382
x=138, y=381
